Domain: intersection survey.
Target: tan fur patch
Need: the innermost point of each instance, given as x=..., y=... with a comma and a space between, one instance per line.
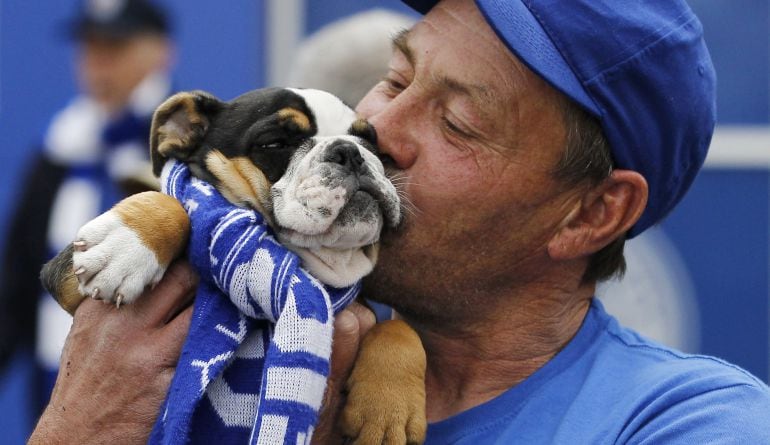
x=258, y=181
x=241, y=182
x=299, y=118
x=360, y=126
x=392, y=400
x=67, y=294
x=166, y=232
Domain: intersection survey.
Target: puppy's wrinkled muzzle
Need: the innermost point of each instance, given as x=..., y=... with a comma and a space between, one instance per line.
x=335, y=195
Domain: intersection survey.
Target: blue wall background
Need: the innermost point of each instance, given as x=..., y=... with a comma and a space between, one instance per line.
x=721, y=228
x=738, y=35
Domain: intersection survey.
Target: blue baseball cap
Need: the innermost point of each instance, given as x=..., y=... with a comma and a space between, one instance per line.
x=641, y=67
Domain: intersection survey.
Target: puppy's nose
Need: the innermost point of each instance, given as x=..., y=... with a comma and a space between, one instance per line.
x=346, y=154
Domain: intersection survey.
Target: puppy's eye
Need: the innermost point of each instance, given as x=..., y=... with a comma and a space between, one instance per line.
x=271, y=146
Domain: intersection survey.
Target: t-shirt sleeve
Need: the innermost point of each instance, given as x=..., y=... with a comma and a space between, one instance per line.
x=737, y=414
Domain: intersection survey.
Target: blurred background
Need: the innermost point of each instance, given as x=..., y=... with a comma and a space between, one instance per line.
x=700, y=281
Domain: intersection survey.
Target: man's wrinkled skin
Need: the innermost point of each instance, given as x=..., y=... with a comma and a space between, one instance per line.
x=118, y=364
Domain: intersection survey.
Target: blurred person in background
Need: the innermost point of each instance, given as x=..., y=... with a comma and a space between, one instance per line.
x=95, y=152
x=348, y=56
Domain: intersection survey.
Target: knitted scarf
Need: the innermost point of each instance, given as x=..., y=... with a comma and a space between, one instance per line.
x=256, y=359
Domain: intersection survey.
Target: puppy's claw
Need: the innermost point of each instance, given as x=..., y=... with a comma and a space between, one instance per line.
x=95, y=293
x=79, y=245
x=80, y=271
x=118, y=301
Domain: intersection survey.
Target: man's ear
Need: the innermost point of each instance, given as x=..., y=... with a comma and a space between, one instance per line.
x=178, y=126
x=605, y=213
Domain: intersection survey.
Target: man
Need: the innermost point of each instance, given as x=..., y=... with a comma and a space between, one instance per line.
x=95, y=152
x=534, y=137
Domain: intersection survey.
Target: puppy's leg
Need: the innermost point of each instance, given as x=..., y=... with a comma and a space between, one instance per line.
x=123, y=251
x=386, y=390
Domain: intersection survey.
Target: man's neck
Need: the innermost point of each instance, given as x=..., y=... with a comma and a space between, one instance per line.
x=474, y=363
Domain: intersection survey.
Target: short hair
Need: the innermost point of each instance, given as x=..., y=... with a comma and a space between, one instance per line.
x=587, y=157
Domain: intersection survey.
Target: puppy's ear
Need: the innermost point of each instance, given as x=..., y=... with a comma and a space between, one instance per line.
x=178, y=126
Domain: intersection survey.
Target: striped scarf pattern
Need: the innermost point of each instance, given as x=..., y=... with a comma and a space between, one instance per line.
x=255, y=362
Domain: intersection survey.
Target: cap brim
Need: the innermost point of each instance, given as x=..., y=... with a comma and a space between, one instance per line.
x=523, y=34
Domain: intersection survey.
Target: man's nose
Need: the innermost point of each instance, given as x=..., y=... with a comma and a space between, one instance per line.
x=396, y=122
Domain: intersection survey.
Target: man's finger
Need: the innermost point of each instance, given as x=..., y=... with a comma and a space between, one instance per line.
x=345, y=346
x=172, y=336
x=365, y=316
x=175, y=291
x=347, y=335
x=349, y=328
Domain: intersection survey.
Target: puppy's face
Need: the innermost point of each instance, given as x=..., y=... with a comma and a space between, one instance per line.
x=300, y=157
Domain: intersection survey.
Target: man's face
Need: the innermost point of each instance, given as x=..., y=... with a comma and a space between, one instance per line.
x=109, y=69
x=474, y=136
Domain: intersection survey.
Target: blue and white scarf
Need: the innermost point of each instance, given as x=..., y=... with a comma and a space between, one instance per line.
x=256, y=360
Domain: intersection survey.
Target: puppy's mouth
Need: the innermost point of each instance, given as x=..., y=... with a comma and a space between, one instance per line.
x=344, y=233
x=386, y=199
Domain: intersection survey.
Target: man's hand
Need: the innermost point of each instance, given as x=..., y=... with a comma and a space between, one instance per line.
x=117, y=365
x=350, y=326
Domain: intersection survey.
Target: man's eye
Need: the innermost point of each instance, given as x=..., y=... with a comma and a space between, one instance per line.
x=393, y=86
x=451, y=127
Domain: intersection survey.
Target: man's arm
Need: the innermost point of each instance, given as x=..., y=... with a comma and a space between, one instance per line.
x=117, y=365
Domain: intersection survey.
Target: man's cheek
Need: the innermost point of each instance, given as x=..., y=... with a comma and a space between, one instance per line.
x=372, y=103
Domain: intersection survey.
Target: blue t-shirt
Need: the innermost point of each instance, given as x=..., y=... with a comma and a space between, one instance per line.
x=609, y=385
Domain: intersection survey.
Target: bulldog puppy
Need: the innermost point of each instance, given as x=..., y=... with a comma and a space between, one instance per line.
x=303, y=160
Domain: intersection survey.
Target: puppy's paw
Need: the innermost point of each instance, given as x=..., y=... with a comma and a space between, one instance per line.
x=386, y=390
x=111, y=262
